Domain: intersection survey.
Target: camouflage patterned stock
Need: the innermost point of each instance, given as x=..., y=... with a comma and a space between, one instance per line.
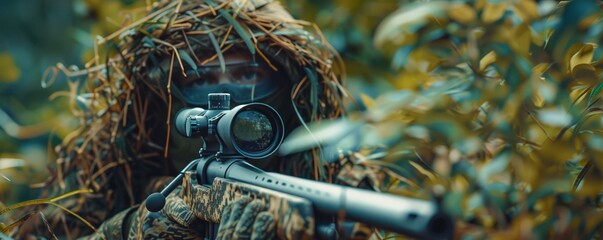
x=294, y=216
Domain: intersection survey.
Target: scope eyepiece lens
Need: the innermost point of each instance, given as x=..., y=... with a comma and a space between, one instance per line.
x=252, y=130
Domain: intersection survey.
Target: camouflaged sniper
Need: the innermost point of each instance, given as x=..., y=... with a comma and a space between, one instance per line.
x=122, y=145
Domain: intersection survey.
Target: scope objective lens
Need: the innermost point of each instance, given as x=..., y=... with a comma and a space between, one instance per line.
x=252, y=130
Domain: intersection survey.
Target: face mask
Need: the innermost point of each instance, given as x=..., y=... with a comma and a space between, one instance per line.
x=245, y=82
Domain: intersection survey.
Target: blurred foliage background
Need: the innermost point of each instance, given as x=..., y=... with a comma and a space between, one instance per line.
x=35, y=35
x=492, y=105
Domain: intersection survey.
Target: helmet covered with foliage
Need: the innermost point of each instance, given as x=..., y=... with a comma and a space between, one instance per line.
x=127, y=99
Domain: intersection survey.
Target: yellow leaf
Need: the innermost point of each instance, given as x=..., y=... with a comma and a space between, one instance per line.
x=527, y=10
x=367, y=101
x=423, y=171
x=493, y=12
x=479, y=4
x=544, y=92
x=487, y=60
x=520, y=42
x=540, y=68
x=9, y=72
x=512, y=106
x=461, y=13
x=568, y=55
x=556, y=151
x=410, y=79
x=579, y=93
x=588, y=21
x=459, y=184
x=537, y=99
x=422, y=60
x=585, y=74
x=583, y=56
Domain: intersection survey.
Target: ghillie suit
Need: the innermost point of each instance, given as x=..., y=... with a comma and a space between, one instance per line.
x=123, y=144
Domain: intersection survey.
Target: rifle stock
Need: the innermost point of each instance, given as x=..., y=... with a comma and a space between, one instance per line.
x=294, y=201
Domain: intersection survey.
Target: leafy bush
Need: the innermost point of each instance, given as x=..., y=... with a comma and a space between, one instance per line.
x=499, y=112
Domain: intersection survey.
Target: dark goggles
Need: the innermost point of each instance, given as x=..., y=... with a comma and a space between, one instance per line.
x=246, y=82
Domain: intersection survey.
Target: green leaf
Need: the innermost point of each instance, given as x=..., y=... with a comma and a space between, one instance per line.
x=523, y=65
x=548, y=189
x=214, y=42
x=312, y=76
x=498, y=164
x=401, y=56
x=453, y=203
x=475, y=201
x=501, y=50
x=466, y=169
x=243, y=33
x=513, y=77
x=147, y=42
x=187, y=59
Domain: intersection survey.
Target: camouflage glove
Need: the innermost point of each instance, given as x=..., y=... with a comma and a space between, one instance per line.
x=175, y=221
x=246, y=219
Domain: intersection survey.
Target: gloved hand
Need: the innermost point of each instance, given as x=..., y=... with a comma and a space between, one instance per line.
x=249, y=219
x=246, y=219
x=272, y=215
x=175, y=221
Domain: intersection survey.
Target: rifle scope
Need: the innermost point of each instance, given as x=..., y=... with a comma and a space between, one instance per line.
x=253, y=131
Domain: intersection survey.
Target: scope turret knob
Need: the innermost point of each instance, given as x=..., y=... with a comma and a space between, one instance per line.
x=194, y=125
x=218, y=101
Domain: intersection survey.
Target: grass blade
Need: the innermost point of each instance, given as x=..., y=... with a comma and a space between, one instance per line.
x=238, y=27
x=582, y=175
x=184, y=56
x=214, y=42
x=313, y=90
x=51, y=201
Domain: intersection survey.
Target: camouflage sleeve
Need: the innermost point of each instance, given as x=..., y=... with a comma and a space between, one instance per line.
x=114, y=227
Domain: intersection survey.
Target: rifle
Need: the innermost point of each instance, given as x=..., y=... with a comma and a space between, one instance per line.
x=255, y=131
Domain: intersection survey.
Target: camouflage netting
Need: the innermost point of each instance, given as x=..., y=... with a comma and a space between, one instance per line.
x=122, y=103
